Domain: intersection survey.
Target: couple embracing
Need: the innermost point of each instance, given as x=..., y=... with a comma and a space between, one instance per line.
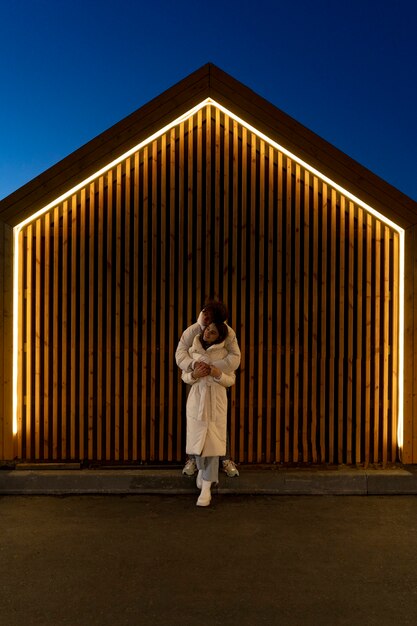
x=208, y=355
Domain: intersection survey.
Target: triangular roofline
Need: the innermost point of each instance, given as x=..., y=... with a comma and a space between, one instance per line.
x=209, y=82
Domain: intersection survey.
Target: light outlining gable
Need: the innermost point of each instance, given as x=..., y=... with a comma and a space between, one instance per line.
x=268, y=141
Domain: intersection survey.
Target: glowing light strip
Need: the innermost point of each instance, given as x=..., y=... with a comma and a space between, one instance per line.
x=277, y=146
x=380, y=217
x=16, y=232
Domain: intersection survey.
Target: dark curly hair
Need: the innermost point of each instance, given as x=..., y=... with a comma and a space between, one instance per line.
x=217, y=309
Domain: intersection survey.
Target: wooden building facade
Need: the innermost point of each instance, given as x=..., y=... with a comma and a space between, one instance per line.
x=208, y=190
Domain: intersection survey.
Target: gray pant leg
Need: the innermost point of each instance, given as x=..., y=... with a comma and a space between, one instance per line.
x=210, y=467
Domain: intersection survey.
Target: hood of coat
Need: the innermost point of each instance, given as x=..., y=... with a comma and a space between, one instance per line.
x=200, y=321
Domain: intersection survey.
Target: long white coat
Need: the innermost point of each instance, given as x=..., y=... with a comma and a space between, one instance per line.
x=207, y=404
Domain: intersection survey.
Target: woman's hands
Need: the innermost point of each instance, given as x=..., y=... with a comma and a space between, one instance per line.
x=202, y=369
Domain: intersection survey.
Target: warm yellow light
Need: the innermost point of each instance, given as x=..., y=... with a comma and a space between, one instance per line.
x=379, y=216
x=16, y=232
x=269, y=141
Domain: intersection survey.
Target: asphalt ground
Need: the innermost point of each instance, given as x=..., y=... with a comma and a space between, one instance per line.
x=246, y=560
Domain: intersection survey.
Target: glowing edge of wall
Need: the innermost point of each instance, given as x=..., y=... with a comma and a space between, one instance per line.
x=179, y=120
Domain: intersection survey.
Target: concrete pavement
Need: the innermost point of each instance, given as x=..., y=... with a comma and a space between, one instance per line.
x=58, y=479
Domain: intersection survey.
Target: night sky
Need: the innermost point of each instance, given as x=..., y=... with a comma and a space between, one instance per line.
x=72, y=69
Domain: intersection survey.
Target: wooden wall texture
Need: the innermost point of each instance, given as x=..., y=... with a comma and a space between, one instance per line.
x=111, y=276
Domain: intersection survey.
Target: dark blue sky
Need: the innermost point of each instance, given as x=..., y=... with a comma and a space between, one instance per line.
x=70, y=69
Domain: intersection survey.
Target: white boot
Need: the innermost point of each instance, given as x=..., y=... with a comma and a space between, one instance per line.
x=205, y=495
x=199, y=481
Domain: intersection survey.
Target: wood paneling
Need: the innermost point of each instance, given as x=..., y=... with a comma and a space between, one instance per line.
x=112, y=276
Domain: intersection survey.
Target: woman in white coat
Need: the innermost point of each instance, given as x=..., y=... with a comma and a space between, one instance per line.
x=207, y=406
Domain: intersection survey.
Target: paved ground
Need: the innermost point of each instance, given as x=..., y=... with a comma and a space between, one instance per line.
x=68, y=479
x=246, y=560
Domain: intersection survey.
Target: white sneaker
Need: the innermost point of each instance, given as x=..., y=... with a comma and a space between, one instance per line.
x=230, y=468
x=205, y=495
x=190, y=467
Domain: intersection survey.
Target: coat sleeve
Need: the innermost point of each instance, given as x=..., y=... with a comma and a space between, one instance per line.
x=226, y=380
x=182, y=356
x=232, y=361
x=188, y=378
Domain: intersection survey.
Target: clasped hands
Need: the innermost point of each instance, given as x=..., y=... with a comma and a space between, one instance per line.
x=202, y=369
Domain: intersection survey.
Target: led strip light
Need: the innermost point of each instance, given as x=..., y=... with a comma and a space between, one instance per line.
x=271, y=142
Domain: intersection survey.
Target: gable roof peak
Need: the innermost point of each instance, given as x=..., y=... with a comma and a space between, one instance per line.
x=208, y=81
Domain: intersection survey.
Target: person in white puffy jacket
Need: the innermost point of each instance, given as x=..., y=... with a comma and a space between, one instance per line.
x=213, y=310
x=207, y=405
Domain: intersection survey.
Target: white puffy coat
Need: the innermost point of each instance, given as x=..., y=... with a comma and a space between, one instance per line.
x=207, y=404
x=186, y=362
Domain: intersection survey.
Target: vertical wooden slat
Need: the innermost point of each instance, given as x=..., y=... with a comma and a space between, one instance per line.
x=323, y=325
x=216, y=259
x=39, y=303
x=190, y=217
x=261, y=282
x=135, y=319
x=368, y=325
x=163, y=410
x=64, y=331
x=331, y=323
x=199, y=216
x=109, y=321
x=145, y=295
x=100, y=318
x=181, y=260
x=56, y=335
x=126, y=321
x=377, y=339
x=342, y=412
x=314, y=324
x=297, y=286
x=271, y=242
x=350, y=331
x=251, y=287
x=225, y=211
x=385, y=343
x=395, y=340
x=174, y=380
x=82, y=301
x=357, y=397
x=280, y=313
x=154, y=288
x=177, y=451
x=243, y=287
x=228, y=276
x=235, y=415
x=91, y=321
x=46, y=338
x=208, y=233
x=118, y=321
x=288, y=314
x=306, y=314
x=74, y=406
